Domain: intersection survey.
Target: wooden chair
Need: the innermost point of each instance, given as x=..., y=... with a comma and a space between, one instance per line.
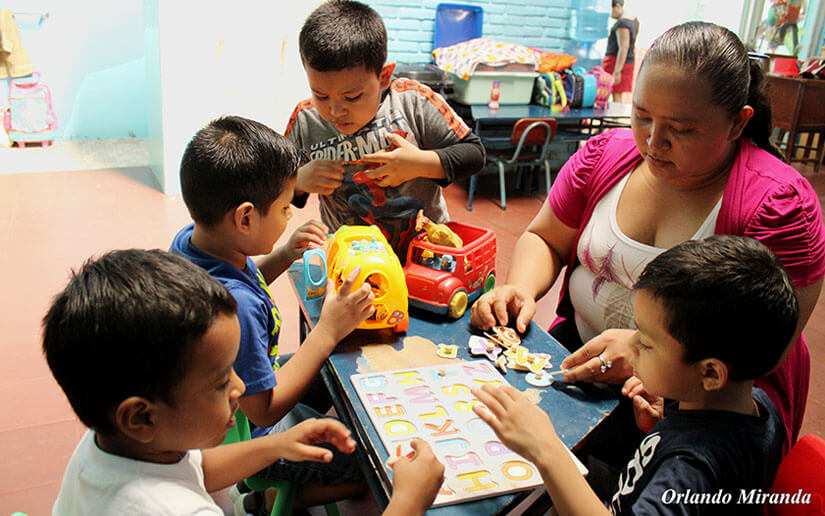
x=531, y=137
x=796, y=107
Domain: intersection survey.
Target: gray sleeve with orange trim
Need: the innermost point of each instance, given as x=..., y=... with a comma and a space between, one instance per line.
x=437, y=127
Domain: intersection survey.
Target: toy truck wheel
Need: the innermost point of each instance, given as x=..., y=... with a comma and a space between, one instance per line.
x=457, y=304
x=489, y=283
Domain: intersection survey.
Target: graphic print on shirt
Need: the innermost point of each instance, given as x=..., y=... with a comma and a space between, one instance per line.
x=618, y=308
x=635, y=470
x=276, y=327
x=387, y=208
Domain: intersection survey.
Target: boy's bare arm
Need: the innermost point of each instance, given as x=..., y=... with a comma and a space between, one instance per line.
x=415, y=482
x=341, y=313
x=528, y=431
x=308, y=235
x=227, y=465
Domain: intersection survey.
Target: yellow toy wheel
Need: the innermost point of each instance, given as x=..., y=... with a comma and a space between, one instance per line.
x=457, y=304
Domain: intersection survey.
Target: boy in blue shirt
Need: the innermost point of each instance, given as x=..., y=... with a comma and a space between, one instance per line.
x=359, y=118
x=712, y=315
x=237, y=180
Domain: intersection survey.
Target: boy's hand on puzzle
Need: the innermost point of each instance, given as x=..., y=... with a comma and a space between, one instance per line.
x=404, y=162
x=498, y=305
x=297, y=442
x=321, y=176
x=416, y=481
x=345, y=310
x=310, y=235
x=614, y=346
x=515, y=419
x=647, y=408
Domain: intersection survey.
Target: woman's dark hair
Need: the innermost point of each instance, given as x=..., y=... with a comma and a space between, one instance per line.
x=717, y=55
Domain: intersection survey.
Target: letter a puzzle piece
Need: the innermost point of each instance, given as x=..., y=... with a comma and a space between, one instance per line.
x=447, y=351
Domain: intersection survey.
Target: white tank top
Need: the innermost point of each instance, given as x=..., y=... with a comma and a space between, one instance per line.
x=609, y=264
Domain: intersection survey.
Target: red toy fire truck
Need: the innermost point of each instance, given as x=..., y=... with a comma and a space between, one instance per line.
x=445, y=279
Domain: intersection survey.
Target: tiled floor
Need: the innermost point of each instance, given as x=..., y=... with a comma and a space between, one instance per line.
x=52, y=221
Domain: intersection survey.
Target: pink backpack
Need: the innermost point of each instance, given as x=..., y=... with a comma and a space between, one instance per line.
x=604, y=85
x=30, y=117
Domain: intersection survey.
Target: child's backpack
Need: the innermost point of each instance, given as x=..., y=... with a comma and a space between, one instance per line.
x=573, y=88
x=589, y=87
x=30, y=117
x=604, y=85
x=548, y=91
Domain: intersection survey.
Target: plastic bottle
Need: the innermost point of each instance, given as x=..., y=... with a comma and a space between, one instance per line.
x=495, y=93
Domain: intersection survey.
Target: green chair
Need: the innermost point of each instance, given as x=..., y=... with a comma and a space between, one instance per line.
x=287, y=491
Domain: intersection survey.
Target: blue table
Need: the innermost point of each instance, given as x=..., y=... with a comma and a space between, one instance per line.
x=574, y=124
x=510, y=113
x=574, y=411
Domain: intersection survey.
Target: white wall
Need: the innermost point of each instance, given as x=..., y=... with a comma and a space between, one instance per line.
x=90, y=54
x=220, y=58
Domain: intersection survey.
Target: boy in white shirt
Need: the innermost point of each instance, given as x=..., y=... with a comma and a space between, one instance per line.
x=143, y=344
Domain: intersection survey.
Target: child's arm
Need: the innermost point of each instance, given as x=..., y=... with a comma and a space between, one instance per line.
x=415, y=482
x=321, y=176
x=341, y=314
x=312, y=233
x=404, y=162
x=228, y=464
x=519, y=423
x=647, y=408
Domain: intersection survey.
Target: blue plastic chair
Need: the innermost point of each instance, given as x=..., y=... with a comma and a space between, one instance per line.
x=455, y=23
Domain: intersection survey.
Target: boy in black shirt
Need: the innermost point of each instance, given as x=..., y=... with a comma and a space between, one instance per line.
x=712, y=315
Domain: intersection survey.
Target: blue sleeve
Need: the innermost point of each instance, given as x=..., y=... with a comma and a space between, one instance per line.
x=675, y=476
x=253, y=365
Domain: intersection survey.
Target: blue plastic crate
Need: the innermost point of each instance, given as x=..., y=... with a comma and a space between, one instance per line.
x=455, y=23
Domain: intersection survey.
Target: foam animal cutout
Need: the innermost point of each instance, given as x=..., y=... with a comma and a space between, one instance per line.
x=437, y=233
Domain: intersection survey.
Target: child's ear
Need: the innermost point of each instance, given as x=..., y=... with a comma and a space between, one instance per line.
x=134, y=418
x=714, y=374
x=385, y=77
x=242, y=216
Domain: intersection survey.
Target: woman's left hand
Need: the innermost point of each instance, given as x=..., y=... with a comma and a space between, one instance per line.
x=604, y=358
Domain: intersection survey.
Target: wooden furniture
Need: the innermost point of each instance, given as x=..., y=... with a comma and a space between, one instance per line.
x=798, y=106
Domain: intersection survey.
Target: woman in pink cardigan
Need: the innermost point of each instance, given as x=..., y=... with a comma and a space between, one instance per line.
x=696, y=162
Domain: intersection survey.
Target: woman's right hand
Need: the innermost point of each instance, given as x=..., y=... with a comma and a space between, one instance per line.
x=498, y=305
x=613, y=346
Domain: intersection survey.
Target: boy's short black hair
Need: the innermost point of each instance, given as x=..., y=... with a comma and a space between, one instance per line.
x=725, y=297
x=234, y=160
x=343, y=34
x=127, y=324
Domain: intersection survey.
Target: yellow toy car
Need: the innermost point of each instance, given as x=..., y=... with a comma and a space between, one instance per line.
x=366, y=246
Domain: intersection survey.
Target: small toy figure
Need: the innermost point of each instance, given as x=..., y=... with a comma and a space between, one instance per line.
x=437, y=233
x=495, y=93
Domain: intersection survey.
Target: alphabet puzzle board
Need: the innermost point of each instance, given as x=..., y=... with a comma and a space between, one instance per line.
x=435, y=404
